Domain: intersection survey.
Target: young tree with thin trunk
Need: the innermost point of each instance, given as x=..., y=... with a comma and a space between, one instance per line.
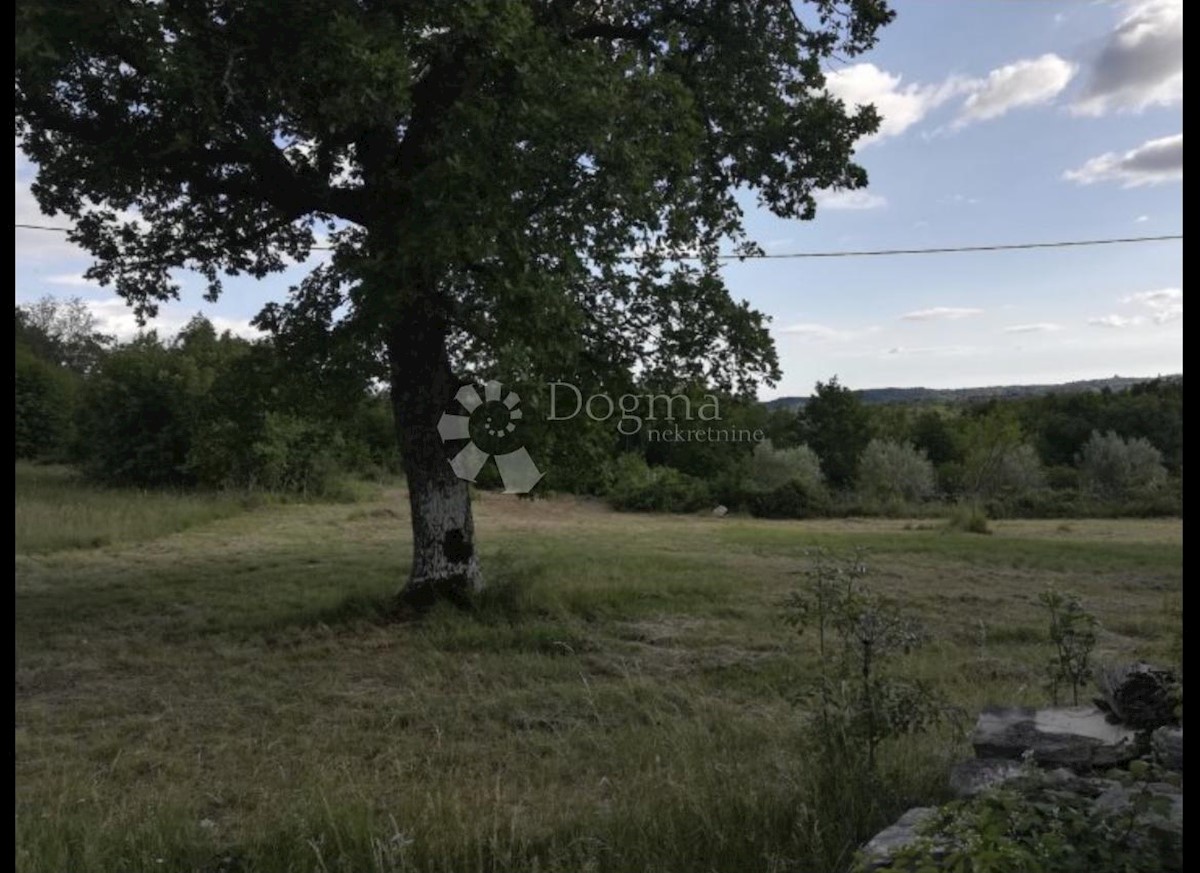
x=503, y=183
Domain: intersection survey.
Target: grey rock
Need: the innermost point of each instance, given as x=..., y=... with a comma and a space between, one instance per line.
x=720, y=511
x=879, y=851
x=968, y=778
x=1077, y=737
x=1167, y=744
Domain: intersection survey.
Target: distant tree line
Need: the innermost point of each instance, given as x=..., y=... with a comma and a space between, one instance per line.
x=197, y=409
x=1055, y=455
x=214, y=410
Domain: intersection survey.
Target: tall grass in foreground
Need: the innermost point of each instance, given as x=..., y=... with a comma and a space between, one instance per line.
x=58, y=511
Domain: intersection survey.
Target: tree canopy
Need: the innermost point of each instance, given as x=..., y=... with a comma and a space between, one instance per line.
x=505, y=186
x=506, y=157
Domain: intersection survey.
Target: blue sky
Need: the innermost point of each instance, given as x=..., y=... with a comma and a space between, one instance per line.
x=1005, y=121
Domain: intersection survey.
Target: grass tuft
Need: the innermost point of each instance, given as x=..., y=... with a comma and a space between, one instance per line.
x=968, y=518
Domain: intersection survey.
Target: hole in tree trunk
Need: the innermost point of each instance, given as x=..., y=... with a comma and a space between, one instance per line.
x=456, y=547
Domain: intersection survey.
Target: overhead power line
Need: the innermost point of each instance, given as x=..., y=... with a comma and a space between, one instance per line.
x=942, y=250
x=858, y=253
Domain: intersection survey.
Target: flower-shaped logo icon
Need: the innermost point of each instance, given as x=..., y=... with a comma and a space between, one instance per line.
x=491, y=426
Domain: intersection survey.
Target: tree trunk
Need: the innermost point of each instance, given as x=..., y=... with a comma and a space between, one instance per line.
x=444, y=562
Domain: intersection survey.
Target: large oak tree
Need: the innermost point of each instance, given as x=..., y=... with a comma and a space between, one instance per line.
x=502, y=182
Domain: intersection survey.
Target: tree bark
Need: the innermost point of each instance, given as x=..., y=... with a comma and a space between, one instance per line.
x=444, y=562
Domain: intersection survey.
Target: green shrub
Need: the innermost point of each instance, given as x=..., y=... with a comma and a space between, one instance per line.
x=138, y=413
x=1114, y=468
x=770, y=468
x=638, y=487
x=891, y=471
x=45, y=408
x=968, y=518
x=790, y=500
x=1039, y=823
x=1062, y=478
x=1073, y=634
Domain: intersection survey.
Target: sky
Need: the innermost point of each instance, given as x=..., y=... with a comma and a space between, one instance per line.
x=1004, y=121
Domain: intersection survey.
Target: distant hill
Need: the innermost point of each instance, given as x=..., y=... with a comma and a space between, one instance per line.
x=881, y=396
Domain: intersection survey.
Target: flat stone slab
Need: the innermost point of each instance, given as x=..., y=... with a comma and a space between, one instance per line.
x=1077, y=737
x=887, y=842
x=968, y=778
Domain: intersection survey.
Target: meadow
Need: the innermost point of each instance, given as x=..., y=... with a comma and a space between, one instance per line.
x=206, y=685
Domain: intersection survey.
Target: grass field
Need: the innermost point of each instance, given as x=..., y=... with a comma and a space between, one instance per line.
x=59, y=511
x=201, y=687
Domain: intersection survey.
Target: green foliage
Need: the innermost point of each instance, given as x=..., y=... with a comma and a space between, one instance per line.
x=714, y=460
x=138, y=413
x=997, y=461
x=933, y=432
x=1073, y=634
x=224, y=412
x=892, y=471
x=1115, y=468
x=770, y=468
x=45, y=407
x=1064, y=423
x=63, y=332
x=860, y=635
x=481, y=172
x=641, y=488
x=968, y=517
x=57, y=344
x=1062, y=478
x=791, y=500
x=836, y=425
x=1039, y=823
x=286, y=454
x=471, y=163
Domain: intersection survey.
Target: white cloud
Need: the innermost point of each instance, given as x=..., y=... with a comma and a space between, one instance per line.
x=825, y=333
x=1117, y=321
x=1036, y=327
x=1152, y=163
x=1022, y=83
x=941, y=312
x=849, y=199
x=931, y=350
x=1141, y=219
x=1165, y=304
x=1140, y=63
x=900, y=107
x=71, y=280
x=115, y=317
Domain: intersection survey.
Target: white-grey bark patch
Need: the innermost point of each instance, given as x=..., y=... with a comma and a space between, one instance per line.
x=445, y=564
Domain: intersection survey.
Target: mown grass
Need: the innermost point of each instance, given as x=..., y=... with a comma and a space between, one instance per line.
x=233, y=697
